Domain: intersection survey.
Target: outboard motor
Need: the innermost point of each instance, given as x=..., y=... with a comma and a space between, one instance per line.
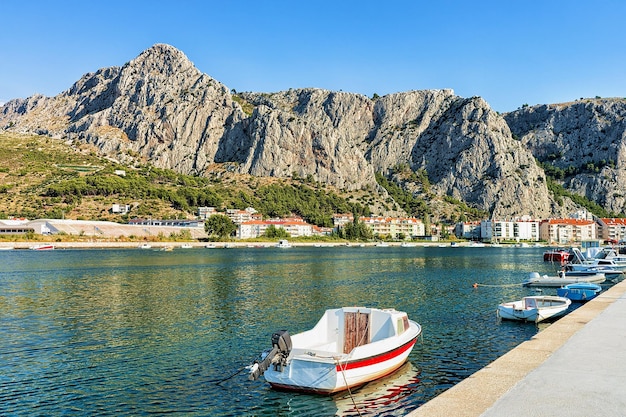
x=281, y=347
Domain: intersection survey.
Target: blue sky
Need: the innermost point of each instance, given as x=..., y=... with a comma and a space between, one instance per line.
x=508, y=52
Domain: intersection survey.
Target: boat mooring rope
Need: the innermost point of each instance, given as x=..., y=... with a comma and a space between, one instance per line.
x=232, y=376
x=356, y=407
x=476, y=285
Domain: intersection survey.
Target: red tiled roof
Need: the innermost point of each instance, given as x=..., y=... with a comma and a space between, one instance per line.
x=614, y=222
x=571, y=222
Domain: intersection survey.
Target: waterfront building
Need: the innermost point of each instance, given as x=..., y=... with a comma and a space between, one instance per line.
x=16, y=227
x=167, y=222
x=394, y=226
x=517, y=230
x=342, y=219
x=567, y=231
x=206, y=212
x=612, y=229
x=468, y=230
x=295, y=227
x=242, y=216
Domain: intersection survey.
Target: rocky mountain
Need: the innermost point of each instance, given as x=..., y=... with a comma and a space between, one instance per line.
x=161, y=108
x=585, y=141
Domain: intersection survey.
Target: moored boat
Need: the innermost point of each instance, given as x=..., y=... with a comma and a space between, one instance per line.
x=536, y=280
x=559, y=255
x=606, y=258
x=347, y=348
x=581, y=291
x=609, y=272
x=283, y=244
x=42, y=247
x=535, y=308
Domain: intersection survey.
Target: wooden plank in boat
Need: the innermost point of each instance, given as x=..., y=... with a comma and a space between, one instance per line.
x=356, y=332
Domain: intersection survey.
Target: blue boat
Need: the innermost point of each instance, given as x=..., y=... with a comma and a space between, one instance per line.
x=580, y=291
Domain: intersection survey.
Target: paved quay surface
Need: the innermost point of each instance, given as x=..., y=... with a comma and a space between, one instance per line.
x=575, y=367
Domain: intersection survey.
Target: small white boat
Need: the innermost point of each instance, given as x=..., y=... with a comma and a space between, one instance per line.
x=476, y=244
x=536, y=280
x=42, y=247
x=608, y=271
x=283, y=244
x=407, y=245
x=347, y=348
x=535, y=308
x=607, y=258
x=186, y=246
x=145, y=246
x=582, y=291
x=610, y=256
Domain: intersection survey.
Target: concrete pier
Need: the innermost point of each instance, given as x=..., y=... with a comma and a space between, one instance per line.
x=575, y=367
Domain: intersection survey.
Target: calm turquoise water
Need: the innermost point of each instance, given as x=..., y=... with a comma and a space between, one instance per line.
x=135, y=332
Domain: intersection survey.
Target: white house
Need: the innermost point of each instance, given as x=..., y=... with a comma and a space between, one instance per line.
x=120, y=208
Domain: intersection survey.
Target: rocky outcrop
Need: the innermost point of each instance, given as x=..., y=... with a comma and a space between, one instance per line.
x=584, y=140
x=161, y=107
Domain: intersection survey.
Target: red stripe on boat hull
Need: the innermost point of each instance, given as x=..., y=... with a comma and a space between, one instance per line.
x=373, y=360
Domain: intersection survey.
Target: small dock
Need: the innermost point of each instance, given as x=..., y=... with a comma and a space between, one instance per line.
x=575, y=367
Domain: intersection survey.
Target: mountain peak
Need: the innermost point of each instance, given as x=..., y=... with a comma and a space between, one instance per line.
x=163, y=57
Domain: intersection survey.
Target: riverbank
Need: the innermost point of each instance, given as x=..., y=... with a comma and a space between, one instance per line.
x=105, y=244
x=171, y=244
x=575, y=367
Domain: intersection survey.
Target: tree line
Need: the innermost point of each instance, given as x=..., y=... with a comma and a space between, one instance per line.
x=187, y=193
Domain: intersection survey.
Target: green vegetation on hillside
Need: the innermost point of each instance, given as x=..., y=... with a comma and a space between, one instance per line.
x=45, y=178
x=414, y=206
x=557, y=173
x=317, y=206
x=553, y=174
x=419, y=207
x=558, y=192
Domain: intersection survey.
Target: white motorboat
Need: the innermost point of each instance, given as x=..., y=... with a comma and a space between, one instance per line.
x=606, y=258
x=610, y=256
x=582, y=269
x=283, y=244
x=536, y=280
x=42, y=247
x=535, y=308
x=347, y=348
x=476, y=244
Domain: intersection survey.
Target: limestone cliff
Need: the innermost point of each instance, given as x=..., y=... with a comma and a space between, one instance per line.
x=585, y=140
x=160, y=107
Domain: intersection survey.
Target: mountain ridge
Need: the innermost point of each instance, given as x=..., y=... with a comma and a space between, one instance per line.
x=160, y=108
